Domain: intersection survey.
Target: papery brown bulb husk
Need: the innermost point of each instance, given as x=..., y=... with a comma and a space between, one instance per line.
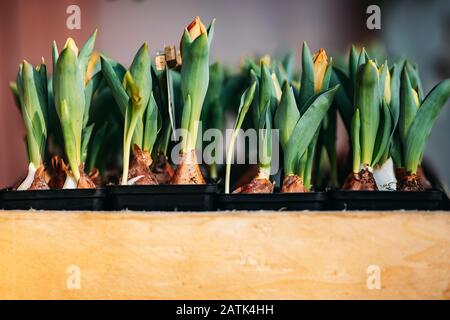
x=256, y=185
x=85, y=181
x=293, y=184
x=162, y=169
x=140, y=167
x=410, y=182
x=95, y=177
x=58, y=173
x=361, y=181
x=188, y=171
x=39, y=182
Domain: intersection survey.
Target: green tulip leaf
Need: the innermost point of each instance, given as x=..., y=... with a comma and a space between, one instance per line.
x=422, y=124
x=306, y=128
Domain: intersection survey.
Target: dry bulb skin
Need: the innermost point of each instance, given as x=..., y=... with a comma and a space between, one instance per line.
x=410, y=182
x=58, y=173
x=139, y=173
x=162, y=169
x=94, y=175
x=85, y=181
x=361, y=181
x=39, y=182
x=62, y=178
x=402, y=175
x=257, y=185
x=293, y=184
x=188, y=171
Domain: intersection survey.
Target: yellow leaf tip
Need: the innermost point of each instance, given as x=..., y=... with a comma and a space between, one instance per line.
x=70, y=43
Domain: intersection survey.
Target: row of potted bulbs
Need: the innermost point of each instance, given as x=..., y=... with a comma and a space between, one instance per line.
x=95, y=122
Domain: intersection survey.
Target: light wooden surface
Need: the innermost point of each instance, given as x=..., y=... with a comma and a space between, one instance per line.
x=224, y=255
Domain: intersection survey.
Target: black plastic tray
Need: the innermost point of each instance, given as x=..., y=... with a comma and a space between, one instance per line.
x=77, y=199
x=273, y=201
x=445, y=202
x=163, y=197
x=385, y=200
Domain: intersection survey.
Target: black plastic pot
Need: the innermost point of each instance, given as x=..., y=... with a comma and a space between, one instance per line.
x=163, y=197
x=385, y=200
x=273, y=201
x=77, y=199
x=446, y=203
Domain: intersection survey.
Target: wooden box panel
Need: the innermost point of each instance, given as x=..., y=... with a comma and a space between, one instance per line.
x=224, y=255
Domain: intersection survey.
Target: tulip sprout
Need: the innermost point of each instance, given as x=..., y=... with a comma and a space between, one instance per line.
x=132, y=90
x=369, y=104
x=384, y=112
x=30, y=92
x=365, y=125
x=299, y=125
x=316, y=73
x=417, y=117
x=76, y=77
x=195, y=47
x=380, y=120
x=246, y=101
x=298, y=133
x=263, y=108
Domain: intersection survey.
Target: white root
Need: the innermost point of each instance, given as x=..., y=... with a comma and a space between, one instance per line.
x=71, y=182
x=133, y=181
x=28, y=181
x=385, y=176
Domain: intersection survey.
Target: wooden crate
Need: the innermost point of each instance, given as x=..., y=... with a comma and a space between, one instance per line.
x=270, y=255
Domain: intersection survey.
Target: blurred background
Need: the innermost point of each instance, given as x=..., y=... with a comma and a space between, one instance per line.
x=417, y=29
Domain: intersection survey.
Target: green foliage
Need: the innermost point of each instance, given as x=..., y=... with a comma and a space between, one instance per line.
x=246, y=101
x=30, y=93
x=194, y=81
x=305, y=130
x=422, y=124
x=136, y=102
x=75, y=80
